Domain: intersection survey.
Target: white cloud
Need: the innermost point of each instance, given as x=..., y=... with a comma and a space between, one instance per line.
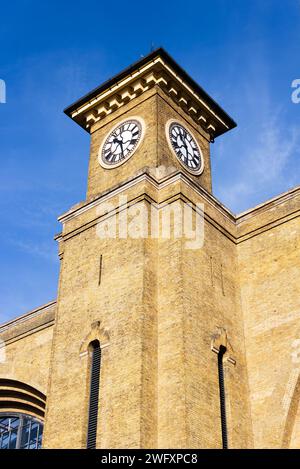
x=44, y=250
x=264, y=163
x=259, y=159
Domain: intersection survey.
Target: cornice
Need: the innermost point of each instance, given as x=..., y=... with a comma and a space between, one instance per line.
x=28, y=316
x=79, y=209
x=268, y=204
x=235, y=221
x=156, y=72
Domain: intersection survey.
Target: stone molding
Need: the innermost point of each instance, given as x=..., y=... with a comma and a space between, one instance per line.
x=220, y=338
x=154, y=73
x=97, y=332
x=28, y=323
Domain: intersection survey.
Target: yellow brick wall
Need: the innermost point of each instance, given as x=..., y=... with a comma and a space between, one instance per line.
x=161, y=305
x=28, y=360
x=269, y=275
x=25, y=350
x=120, y=306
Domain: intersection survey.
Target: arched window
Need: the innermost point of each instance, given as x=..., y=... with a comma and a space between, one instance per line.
x=95, y=365
x=20, y=431
x=221, y=353
x=22, y=411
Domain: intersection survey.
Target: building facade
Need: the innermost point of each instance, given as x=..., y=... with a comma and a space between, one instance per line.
x=177, y=323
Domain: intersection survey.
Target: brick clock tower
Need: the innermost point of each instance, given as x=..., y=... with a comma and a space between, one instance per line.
x=176, y=323
x=148, y=347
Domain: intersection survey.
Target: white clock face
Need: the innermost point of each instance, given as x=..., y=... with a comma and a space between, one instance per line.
x=121, y=143
x=185, y=147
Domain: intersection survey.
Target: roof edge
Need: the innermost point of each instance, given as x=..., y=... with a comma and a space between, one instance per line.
x=26, y=316
x=159, y=52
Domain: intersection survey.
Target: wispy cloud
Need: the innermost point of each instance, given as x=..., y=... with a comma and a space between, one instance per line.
x=263, y=153
x=44, y=250
x=264, y=163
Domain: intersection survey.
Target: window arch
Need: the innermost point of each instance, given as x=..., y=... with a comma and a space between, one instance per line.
x=22, y=411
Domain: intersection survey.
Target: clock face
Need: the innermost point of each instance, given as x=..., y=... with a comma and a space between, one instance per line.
x=121, y=143
x=185, y=147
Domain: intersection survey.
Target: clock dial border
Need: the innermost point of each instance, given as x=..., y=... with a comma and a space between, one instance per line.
x=196, y=172
x=106, y=165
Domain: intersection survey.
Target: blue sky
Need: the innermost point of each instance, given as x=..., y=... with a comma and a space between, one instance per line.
x=244, y=53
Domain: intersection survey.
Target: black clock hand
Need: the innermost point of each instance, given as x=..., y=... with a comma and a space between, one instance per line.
x=185, y=144
x=183, y=139
x=122, y=149
x=181, y=136
x=120, y=143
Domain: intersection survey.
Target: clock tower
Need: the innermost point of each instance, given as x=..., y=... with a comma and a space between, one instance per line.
x=166, y=315
x=156, y=94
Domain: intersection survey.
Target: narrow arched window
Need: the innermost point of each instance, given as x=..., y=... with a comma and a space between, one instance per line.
x=95, y=364
x=221, y=353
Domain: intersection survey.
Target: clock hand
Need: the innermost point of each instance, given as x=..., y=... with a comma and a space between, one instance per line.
x=184, y=141
x=183, y=136
x=120, y=143
x=122, y=149
x=186, y=145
